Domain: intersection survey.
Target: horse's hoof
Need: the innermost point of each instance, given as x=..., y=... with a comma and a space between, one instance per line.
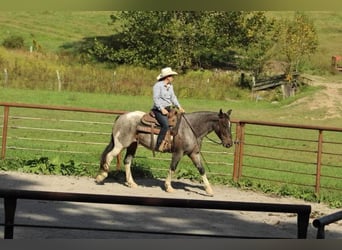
x=132, y=185
x=169, y=189
x=209, y=192
x=100, y=178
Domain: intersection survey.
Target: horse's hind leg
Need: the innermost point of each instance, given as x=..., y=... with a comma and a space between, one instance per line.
x=106, y=158
x=128, y=161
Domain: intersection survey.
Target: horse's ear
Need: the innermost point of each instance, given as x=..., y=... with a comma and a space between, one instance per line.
x=229, y=112
x=220, y=112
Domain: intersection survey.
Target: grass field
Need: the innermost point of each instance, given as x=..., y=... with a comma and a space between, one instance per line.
x=54, y=29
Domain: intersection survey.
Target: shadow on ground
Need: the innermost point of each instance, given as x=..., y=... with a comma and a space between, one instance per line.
x=138, y=222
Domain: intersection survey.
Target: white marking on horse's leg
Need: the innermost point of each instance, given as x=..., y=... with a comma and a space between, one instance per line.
x=129, y=179
x=168, y=186
x=207, y=185
x=101, y=176
x=104, y=169
x=110, y=156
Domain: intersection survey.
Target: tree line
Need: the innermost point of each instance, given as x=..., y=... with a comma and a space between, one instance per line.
x=186, y=40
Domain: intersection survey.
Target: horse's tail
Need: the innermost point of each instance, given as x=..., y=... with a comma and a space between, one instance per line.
x=109, y=148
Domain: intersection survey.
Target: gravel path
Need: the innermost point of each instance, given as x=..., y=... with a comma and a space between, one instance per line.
x=158, y=219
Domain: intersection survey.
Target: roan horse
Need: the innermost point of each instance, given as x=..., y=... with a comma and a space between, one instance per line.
x=191, y=129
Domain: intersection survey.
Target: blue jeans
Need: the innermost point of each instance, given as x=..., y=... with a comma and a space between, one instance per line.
x=164, y=126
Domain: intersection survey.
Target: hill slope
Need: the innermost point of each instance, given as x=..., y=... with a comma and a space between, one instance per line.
x=52, y=29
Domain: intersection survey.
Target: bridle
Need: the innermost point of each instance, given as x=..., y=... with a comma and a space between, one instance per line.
x=193, y=131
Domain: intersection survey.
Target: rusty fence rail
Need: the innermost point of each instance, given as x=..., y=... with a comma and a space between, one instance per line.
x=286, y=154
x=59, y=133
x=43, y=139
x=300, y=155
x=12, y=196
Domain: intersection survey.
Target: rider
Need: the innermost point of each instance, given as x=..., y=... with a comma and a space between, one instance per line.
x=163, y=98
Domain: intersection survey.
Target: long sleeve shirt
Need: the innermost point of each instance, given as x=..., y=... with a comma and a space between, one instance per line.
x=163, y=96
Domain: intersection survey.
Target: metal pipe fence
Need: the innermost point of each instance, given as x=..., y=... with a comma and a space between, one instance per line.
x=278, y=153
x=299, y=155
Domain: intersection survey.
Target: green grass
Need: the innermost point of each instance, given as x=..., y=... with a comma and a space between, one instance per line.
x=85, y=159
x=242, y=109
x=54, y=29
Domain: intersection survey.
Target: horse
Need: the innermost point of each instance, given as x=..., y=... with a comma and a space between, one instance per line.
x=187, y=140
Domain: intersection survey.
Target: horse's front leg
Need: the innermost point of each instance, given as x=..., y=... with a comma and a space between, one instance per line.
x=127, y=162
x=196, y=159
x=174, y=162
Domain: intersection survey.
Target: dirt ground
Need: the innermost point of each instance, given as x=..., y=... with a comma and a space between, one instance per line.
x=329, y=98
x=142, y=218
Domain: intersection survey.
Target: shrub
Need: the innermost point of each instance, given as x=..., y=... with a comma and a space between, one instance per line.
x=13, y=42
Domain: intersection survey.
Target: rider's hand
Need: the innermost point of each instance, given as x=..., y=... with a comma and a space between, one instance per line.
x=181, y=110
x=164, y=111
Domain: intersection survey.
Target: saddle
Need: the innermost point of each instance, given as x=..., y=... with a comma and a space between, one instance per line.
x=149, y=124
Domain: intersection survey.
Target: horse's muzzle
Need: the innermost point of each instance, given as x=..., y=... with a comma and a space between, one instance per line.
x=227, y=145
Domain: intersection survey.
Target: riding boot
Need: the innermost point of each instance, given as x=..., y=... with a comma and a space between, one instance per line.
x=165, y=146
x=158, y=145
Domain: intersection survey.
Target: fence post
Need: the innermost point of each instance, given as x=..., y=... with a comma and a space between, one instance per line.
x=302, y=224
x=4, y=132
x=10, y=205
x=59, y=81
x=5, y=77
x=241, y=146
x=319, y=161
x=237, y=152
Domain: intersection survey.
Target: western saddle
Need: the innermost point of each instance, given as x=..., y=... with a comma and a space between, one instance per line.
x=149, y=124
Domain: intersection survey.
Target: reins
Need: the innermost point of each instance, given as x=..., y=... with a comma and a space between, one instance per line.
x=193, y=131
x=212, y=140
x=206, y=136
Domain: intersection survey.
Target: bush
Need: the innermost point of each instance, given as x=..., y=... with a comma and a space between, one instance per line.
x=13, y=42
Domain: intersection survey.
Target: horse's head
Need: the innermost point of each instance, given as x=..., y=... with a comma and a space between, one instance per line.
x=223, y=129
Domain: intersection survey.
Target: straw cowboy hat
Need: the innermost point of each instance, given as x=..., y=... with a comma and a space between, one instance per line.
x=166, y=72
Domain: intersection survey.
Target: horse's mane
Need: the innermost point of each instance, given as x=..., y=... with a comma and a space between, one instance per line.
x=203, y=115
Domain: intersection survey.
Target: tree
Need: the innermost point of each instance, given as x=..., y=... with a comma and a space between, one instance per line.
x=156, y=38
x=298, y=40
x=186, y=39
x=258, y=37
